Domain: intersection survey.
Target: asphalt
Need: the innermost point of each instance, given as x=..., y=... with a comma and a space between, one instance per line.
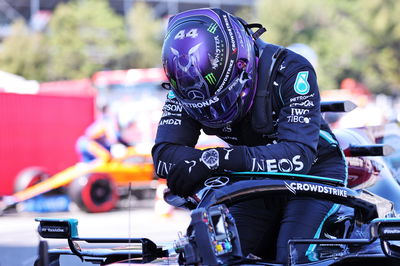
x=19, y=238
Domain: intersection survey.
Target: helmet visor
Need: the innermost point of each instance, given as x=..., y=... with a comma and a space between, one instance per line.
x=217, y=110
x=190, y=83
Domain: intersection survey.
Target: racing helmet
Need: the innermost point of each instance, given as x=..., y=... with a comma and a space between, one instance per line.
x=210, y=61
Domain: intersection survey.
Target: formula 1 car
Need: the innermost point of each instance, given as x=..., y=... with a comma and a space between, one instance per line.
x=95, y=186
x=365, y=230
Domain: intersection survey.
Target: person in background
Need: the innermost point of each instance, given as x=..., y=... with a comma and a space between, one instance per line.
x=216, y=66
x=100, y=137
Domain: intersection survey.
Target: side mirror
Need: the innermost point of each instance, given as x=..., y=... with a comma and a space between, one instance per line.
x=388, y=231
x=57, y=228
x=337, y=106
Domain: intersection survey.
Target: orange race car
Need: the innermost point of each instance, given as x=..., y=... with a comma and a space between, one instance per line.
x=96, y=186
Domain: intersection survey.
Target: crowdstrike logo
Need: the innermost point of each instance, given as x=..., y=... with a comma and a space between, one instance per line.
x=296, y=186
x=230, y=32
x=290, y=188
x=227, y=76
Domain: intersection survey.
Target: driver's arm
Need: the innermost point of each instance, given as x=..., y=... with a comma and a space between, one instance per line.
x=174, y=155
x=177, y=135
x=297, y=131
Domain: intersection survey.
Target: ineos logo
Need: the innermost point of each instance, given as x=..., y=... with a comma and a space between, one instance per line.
x=218, y=181
x=195, y=95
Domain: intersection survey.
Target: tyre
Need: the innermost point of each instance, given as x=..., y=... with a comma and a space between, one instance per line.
x=29, y=177
x=94, y=193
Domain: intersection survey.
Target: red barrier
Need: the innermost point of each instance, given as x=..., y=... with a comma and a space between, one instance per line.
x=40, y=130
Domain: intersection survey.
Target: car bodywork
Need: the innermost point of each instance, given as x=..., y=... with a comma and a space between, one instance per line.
x=95, y=186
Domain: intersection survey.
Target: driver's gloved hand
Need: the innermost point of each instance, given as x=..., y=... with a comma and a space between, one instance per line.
x=187, y=176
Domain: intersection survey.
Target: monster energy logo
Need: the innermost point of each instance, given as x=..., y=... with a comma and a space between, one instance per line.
x=173, y=83
x=212, y=28
x=211, y=78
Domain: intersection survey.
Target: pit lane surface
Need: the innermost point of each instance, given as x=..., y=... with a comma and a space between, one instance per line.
x=19, y=238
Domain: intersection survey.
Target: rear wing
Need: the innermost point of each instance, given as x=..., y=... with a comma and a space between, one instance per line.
x=368, y=150
x=356, y=150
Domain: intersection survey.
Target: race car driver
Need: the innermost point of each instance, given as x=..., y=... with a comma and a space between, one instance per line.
x=263, y=100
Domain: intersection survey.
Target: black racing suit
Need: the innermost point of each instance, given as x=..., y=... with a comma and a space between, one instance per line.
x=301, y=142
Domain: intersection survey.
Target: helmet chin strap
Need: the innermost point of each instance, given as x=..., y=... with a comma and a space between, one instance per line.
x=249, y=26
x=260, y=30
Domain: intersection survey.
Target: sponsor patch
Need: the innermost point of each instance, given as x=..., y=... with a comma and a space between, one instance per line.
x=301, y=98
x=171, y=95
x=171, y=121
x=210, y=77
x=298, y=119
x=212, y=28
x=295, y=186
x=274, y=165
x=301, y=85
x=163, y=168
x=306, y=103
x=206, y=103
x=172, y=108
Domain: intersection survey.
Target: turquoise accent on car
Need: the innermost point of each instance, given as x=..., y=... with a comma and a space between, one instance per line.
x=310, y=251
x=73, y=226
x=328, y=137
x=311, y=177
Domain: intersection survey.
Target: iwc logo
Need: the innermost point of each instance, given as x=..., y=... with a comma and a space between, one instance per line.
x=210, y=158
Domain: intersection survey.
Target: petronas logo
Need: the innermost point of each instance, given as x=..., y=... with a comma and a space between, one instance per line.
x=211, y=78
x=301, y=85
x=212, y=28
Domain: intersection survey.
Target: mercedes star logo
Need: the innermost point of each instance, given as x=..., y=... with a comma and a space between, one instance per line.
x=218, y=181
x=195, y=95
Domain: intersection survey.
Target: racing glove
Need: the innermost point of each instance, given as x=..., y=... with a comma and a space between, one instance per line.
x=188, y=175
